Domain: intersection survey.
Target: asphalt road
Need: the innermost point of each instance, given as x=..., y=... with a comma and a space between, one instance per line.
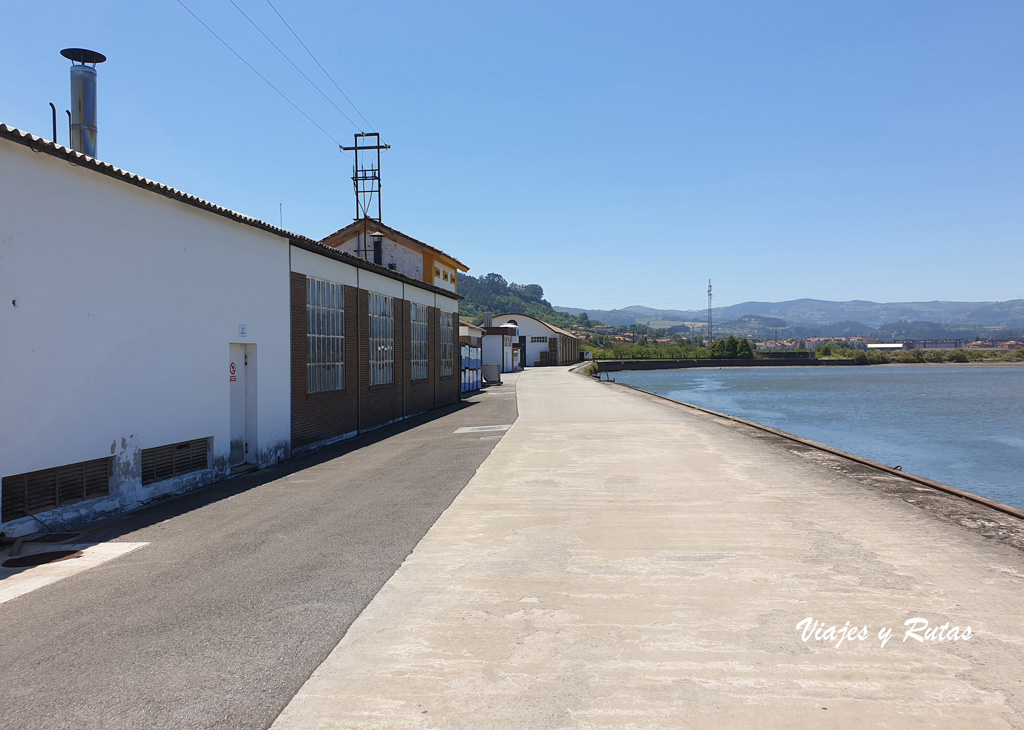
x=244, y=589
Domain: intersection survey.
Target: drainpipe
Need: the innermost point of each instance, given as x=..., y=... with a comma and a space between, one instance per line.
x=359, y=357
x=407, y=357
x=436, y=338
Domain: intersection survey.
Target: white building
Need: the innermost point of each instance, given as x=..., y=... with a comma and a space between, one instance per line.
x=152, y=342
x=498, y=352
x=543, y=344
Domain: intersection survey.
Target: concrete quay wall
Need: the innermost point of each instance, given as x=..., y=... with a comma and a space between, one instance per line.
x=620, y=561
x=613, y=366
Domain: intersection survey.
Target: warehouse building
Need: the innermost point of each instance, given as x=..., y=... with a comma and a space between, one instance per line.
x=154, y=342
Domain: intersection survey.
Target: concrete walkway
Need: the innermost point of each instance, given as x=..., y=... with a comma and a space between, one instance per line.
x=618, y=562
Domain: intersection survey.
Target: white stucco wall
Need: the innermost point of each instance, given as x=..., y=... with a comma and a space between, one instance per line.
x=125, y=303
x=406, y=260
x=440, y=279
x=529, y=327
x=323, y=267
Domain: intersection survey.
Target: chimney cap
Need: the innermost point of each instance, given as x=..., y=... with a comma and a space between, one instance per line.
x=82, y=55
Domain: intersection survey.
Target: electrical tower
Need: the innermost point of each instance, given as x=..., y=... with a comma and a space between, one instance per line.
x=366, y=180
x=366, y=176
x=711, y=337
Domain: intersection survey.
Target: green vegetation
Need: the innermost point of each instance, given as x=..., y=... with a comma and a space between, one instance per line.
x=835, y=351
x=492, y=293
x=604, y=347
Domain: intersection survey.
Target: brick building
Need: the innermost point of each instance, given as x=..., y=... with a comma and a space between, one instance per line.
x=154, y=342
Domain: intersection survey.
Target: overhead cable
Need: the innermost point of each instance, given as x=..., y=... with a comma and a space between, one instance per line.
x=285, y=56
x=370, y=126
x=251, y=68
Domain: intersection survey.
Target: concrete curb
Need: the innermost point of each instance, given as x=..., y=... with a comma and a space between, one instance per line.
x=978, y=499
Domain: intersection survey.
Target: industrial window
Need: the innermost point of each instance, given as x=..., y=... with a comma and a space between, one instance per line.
x=418, y=340
x=447, y=345
x=174, y=460
x=38, y=491
x=382, y=340
x=538, y=339
x=325, y=336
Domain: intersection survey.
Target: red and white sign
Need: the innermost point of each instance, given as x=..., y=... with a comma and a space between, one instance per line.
x=233, y=378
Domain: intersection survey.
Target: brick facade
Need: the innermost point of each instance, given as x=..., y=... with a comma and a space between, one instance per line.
x=359, y=407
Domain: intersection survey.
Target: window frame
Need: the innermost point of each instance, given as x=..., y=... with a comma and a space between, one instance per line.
x=325, y=336
x=447, y=345
x=382, y=338
x=419, y=343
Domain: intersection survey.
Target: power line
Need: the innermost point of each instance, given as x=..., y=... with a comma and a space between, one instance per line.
x=370, y=126
x=251, y=68
x=276, y=48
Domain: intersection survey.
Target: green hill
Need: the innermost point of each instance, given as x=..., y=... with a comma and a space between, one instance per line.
x=492, y=293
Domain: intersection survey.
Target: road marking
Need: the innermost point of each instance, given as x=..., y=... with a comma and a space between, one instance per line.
x=477, y=429
x=16, y=582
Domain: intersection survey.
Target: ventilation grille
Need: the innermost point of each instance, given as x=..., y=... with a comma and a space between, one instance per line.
x=173, y=460
x=39, y=491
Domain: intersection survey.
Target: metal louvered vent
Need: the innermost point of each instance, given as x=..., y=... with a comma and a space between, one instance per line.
x=173, y=460
x=39, y=491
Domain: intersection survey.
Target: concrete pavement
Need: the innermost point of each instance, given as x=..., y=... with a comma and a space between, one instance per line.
x=619, y=562
x=232, y=595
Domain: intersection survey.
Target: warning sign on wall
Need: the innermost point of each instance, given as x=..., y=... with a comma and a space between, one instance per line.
x=231, y=370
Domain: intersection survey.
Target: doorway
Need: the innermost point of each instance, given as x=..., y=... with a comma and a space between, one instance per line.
x=242, y=382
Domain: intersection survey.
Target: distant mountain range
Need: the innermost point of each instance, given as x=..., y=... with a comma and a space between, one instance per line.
x=808, y=317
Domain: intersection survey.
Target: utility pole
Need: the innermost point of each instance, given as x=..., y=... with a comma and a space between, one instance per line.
x=366, y=179
x=711, y=337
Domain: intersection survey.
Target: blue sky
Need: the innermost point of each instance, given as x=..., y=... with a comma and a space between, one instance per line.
x=615, y=153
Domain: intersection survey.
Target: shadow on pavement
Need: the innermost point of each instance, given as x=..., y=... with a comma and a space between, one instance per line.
x=179, y=504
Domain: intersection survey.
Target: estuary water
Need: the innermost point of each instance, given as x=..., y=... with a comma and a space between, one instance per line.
x=959, y=425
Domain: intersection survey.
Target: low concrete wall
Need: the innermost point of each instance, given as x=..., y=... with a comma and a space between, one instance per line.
x=614, y=366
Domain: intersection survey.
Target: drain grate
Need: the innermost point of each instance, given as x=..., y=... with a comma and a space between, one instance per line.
x=53, y=556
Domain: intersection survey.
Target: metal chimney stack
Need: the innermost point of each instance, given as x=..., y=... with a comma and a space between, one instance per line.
x=83, y=98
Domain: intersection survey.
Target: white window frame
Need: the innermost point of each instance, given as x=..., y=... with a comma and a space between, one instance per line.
x=382, y=339
x=419, y=345
x=447, y=345
x=325, y=336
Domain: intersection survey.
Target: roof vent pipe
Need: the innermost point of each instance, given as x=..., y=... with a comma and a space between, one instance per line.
x=83, y=98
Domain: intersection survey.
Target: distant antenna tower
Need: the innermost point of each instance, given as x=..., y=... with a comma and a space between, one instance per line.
x=711, y=337
x=366, y=180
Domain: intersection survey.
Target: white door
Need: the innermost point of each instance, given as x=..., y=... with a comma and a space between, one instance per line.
x=242, y=382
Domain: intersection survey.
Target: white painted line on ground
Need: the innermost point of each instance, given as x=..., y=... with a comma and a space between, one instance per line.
x=477, y=429
x=16, y=582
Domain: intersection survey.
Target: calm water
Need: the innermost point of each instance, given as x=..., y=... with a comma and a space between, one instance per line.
x=963, y=426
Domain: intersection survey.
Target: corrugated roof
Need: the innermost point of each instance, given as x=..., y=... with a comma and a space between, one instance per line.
x=549, y=326
x=378, y=225
x=44, y=145
x=39, y=144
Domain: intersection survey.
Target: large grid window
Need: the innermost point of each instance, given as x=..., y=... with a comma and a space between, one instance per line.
x=382, y=339
x=418, y=340
x=325, y=336
x=447, y=345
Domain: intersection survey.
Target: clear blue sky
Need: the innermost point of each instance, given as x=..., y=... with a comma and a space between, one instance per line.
x=615, y=153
